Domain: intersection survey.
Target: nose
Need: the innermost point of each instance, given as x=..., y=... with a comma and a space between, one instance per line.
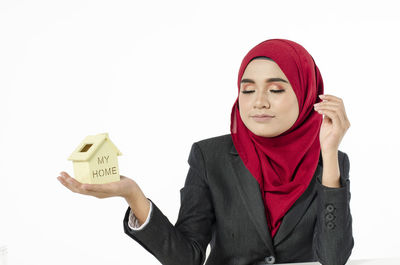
x=261, y=100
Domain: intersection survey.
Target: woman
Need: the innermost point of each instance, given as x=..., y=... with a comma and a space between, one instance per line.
x=274, y=190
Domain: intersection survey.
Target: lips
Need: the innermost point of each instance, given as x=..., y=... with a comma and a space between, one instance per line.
x=262, y=116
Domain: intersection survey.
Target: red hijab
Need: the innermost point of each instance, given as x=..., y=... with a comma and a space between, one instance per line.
x=285, y=164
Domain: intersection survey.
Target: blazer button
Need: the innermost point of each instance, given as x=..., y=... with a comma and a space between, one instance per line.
x=330, y=208
x=329, y=217
x=330, y=225
x=270, y=260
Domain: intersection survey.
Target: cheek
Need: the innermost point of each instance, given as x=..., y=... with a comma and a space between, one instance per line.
x=291, y=107
x=289, y=100
x=242, y=103
x=243, y=107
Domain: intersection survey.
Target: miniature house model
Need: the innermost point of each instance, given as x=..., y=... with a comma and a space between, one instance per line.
x=95, y=160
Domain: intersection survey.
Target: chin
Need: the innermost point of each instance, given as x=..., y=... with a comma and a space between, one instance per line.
x=263, y=133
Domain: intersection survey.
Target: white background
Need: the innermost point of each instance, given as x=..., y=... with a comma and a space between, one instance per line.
x=158, y=76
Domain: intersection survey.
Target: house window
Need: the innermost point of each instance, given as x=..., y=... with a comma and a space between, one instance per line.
x=86, y=147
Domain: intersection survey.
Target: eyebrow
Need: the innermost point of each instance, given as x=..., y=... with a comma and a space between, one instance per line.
x=273, y=79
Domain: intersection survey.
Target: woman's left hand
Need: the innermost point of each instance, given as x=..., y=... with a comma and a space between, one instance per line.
x=334, y=124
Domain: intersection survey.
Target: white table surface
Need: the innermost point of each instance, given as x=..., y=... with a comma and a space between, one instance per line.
x=383, y=261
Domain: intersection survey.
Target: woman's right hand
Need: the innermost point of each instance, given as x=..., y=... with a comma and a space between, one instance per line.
x=126, y=187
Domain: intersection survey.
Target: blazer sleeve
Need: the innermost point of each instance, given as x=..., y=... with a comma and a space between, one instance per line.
x=187, y=240
x=333, y=237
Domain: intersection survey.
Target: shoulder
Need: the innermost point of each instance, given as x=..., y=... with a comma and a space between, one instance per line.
x=220, y=142
x=213, y=148
x=209, y=153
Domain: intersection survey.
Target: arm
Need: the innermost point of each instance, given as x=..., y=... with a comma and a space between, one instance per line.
x=187, y=240
x=333, y=237
x=140, y=205
x=331, y=172
x=134, y=222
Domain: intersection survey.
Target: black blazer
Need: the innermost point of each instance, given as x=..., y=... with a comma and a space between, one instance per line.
x=221, y=204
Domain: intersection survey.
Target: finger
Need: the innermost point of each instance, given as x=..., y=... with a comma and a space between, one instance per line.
x=82, y=190
x=333, y=117
x=329, y=97
x=71, y=181
x=72, y=184
x=347, y=122
x=65, y=174
x=68, y=183
x=327, y=103
x=337, y=110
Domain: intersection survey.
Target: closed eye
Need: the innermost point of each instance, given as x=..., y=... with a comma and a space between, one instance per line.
x=273, y=91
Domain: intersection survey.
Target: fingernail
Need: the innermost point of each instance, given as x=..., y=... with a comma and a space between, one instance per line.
x=321, y=96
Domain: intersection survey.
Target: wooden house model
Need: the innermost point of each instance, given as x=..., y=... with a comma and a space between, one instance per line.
x=95, y=160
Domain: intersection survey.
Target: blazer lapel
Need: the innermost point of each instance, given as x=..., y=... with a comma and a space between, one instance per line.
x=249, y=191
x=293, y=216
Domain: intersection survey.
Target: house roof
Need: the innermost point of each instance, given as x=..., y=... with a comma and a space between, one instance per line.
x=89, y=146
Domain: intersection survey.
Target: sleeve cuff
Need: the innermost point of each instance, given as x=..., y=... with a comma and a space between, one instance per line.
x=331, y=194
x=133, y=222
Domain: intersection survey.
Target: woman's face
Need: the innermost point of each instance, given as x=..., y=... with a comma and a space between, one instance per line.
x=268, y=92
